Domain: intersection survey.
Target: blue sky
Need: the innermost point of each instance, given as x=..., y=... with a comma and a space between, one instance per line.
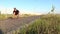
x=36, y=6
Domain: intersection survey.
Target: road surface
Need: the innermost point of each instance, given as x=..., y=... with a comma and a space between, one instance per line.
x=12, y=24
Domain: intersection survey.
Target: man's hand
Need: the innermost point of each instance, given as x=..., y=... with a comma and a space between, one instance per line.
x=14, y=13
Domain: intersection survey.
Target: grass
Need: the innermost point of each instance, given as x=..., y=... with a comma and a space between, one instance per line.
x=2, y=16
x=5, y=16
x=47, y=24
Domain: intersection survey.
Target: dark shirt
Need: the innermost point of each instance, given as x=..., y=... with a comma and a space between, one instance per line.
x=16, y=12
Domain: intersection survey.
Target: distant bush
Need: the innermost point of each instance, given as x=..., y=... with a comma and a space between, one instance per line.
x=25, y=15
x=5, y=16
x=2, y=16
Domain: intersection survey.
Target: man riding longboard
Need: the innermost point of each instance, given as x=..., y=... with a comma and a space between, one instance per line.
x=15, y=13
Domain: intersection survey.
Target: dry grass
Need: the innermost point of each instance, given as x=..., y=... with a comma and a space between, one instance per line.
x=48, y=24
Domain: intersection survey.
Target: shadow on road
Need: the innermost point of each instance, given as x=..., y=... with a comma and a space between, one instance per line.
x=1, y=32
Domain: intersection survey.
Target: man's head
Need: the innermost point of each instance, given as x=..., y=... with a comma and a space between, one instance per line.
x=15, y=9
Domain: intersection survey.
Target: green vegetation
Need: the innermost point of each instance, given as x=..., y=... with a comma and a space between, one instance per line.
x=26, y=15
x=47, y=24
x=52, y=10
x=5, y=16
x=2, y=16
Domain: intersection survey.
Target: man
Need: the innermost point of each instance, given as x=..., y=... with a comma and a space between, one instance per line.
x=15, y=13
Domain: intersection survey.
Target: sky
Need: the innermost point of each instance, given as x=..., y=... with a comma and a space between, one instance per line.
x=29, y=6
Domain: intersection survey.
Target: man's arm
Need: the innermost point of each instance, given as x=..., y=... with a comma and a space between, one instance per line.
x=13, y=12
x=18, y=11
